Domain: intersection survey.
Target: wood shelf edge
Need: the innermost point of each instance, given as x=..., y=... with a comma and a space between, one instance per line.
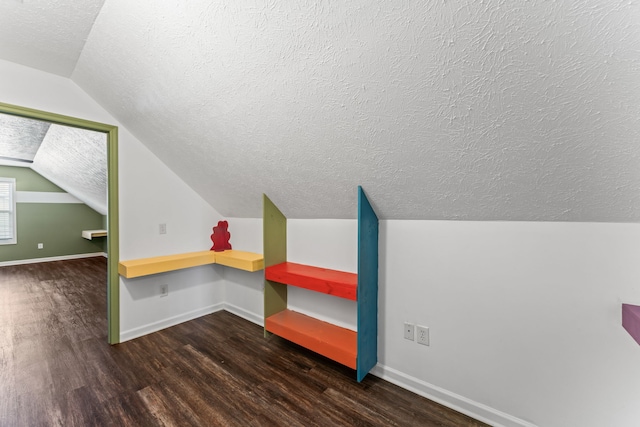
x=337, y=283
x=162, y=264
x=248, y=261
x=332, y=341
x=90, y=234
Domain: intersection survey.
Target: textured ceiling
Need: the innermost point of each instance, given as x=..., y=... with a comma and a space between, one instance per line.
x=46, y=34
x=471, y=110
x=20, y=138
x=76, y=161
x=73, y=159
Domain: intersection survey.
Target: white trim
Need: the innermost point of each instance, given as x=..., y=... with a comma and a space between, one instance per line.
x=45, y=197
x=451, y=400
x=167, y=323
x=246, y=315
x=14, y=163
x=11, y=211
x=53, y=258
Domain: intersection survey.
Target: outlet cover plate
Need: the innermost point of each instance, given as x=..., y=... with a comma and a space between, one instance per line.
x=422, y=335
x=408, y=331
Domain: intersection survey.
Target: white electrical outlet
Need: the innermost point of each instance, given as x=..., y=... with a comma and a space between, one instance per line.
x=162, y=228
x=422, y=335
x=40, y=245
x=164, y=290
x=408, y=331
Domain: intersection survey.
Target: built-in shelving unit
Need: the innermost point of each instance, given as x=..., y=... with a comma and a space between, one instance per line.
x=248, y=261
x=355, y=349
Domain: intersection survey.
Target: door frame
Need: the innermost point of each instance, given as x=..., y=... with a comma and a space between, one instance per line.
x=113, y=280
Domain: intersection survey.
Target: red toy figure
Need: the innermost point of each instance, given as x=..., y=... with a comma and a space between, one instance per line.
x=220, y=237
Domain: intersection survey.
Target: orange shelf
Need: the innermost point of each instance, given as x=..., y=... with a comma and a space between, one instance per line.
x=337, y=283
x=334, y=342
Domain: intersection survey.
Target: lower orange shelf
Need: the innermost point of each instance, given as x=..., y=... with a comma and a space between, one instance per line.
x=334, y=342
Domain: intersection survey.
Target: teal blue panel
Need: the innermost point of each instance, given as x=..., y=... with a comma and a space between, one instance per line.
x=367, y=286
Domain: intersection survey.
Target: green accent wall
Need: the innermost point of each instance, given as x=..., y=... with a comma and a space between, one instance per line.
x=29, y=180
x=58, y=226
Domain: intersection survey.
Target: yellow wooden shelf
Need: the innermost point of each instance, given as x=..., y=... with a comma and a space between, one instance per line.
x=248, y=261
x=162, y=264
x=146, y=266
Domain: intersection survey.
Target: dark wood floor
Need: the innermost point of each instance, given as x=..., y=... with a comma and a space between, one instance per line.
x=56, y=368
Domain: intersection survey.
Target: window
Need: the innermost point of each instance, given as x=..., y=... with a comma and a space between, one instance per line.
x=7, y=211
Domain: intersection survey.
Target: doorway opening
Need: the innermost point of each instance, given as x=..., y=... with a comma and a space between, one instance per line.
x=113, y=287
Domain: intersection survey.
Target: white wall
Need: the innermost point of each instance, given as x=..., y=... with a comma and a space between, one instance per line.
x=149, y=194
x=524, y=317
x=243, y=290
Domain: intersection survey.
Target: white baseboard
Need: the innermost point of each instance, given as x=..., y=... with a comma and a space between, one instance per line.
x=451, y=400
x=166, y=323
x=49, y=259
x=247, y=315
x=444, y=397
x=185, y=317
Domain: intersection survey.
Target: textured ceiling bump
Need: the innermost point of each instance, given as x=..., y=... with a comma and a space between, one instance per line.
x=457, y=109
x=76, y=160
x=20, y=138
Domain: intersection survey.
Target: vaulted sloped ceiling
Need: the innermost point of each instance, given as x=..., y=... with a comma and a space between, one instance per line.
x=46, y=34
x=74, y=159
x=20, y=138
x=457, y=109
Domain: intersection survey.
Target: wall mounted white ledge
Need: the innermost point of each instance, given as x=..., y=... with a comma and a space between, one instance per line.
x=90, y=234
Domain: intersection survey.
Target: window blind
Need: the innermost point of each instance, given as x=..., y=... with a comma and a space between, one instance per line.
x=7, y=211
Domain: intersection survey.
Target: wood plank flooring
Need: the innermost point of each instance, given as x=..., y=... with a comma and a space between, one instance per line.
x=56, y=368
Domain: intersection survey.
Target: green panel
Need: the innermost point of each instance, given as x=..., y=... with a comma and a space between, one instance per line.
x=58, y=226
x=103, y=240
x=367, y=286
x=274, y=251
x=113, y=288
x=29, y=180
x=113, y=280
